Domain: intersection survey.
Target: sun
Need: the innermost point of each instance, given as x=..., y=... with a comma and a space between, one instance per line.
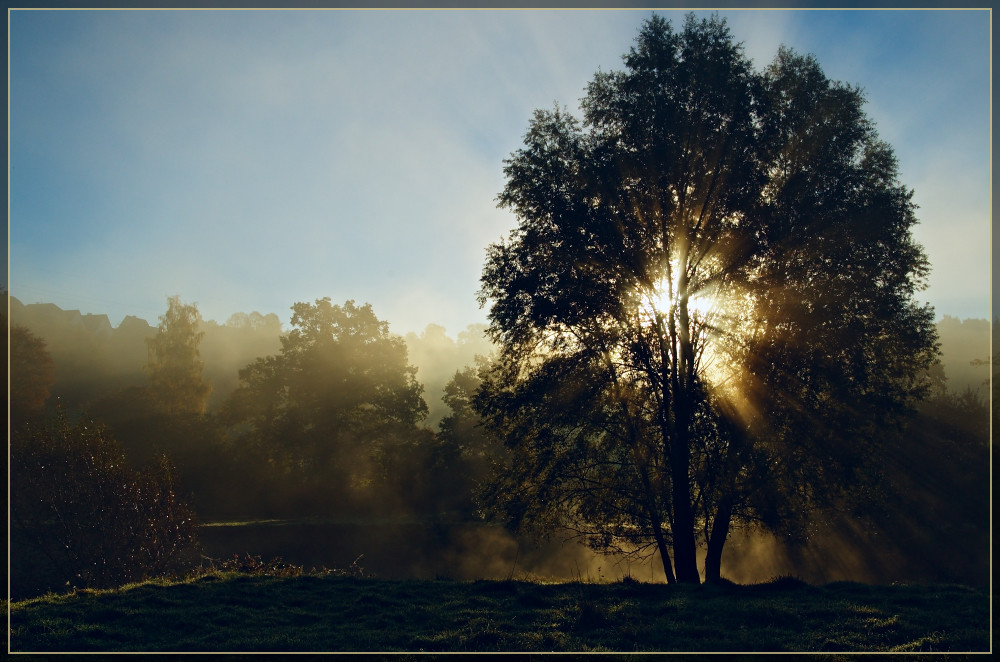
x=659, y=301
x=707, y=321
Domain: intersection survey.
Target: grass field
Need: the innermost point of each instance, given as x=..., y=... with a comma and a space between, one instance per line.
x=312, y=612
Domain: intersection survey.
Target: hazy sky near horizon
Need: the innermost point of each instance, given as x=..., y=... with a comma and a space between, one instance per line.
x=247, y=160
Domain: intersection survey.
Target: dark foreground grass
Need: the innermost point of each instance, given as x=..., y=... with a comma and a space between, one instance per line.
x=228, y=612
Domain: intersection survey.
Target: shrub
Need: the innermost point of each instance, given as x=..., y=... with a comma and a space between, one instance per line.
x=81, y=516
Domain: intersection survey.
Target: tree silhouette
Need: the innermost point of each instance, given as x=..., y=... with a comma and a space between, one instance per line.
x=174, y=367
x=706, y=313
x=32, y=374
x=464, y=452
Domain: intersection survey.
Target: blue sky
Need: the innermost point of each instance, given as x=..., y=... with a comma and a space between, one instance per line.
x=247, y=160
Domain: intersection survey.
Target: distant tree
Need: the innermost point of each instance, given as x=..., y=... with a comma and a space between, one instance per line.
x=80, y=347
x=965, y=349
x=992, y=382
x=174, y=367
x=32, y=374
x=460, y=423
x=705, y=315
x=255, y=322
x=82, y=517
x=464, y=451
x=437, y=356
x=231, y=346
x=336, y=404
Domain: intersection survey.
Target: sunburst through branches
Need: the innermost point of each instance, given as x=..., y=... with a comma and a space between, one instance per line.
x=703, y=309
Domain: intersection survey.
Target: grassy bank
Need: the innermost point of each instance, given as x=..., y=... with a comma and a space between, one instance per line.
x=229, y=612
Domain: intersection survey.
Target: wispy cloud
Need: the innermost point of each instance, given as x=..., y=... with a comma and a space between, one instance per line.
x=248, y=160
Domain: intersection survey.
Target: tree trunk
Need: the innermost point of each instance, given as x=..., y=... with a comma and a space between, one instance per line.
x=685, y=556
x=685, y=550
x=656, y=520
x=661, y=546
x=717, y=540
x=724, y=512
x=682, y=524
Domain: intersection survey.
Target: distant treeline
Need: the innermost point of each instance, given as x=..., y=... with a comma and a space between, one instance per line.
x=93, y=358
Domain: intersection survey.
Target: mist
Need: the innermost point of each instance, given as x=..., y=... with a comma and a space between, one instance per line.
x=404, y=502
x=437, y=357
x=94, y=359
x=965, y=353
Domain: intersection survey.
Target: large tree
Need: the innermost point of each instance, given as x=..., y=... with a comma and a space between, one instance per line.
x=705, y=313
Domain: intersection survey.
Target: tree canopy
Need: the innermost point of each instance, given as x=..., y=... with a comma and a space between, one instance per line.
x=337, y=399
x=706, y=312
x=175, y=365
